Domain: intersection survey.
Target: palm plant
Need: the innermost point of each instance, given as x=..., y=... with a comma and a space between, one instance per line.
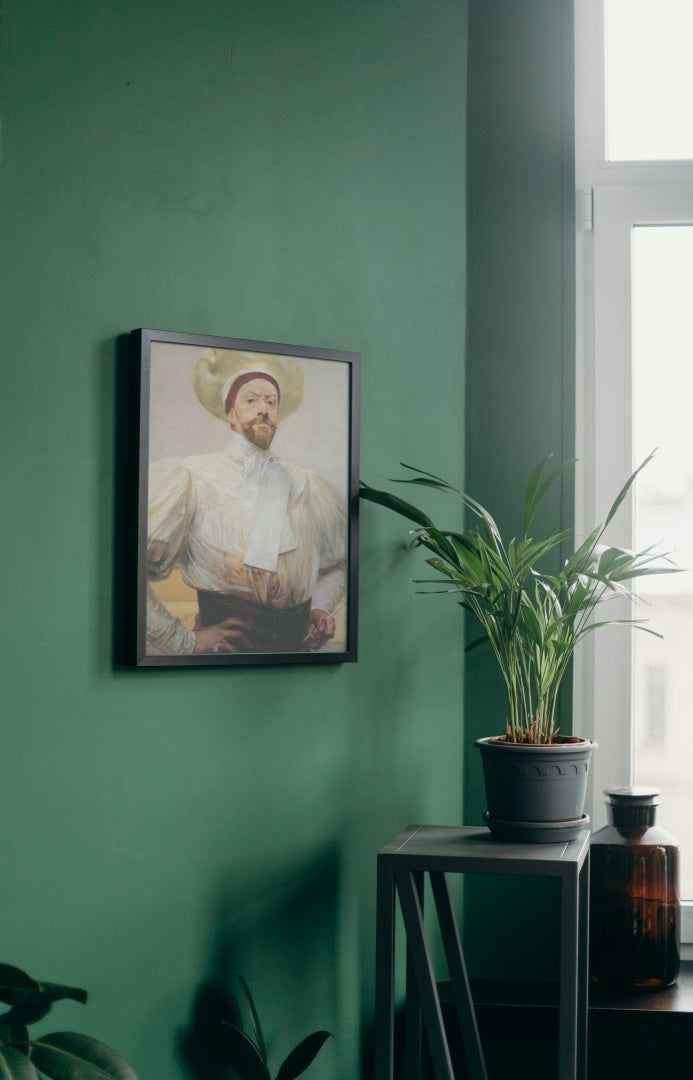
x=532, y=618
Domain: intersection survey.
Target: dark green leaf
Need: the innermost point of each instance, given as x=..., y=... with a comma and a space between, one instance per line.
x=436, y=542
x=539, y=493
x=436, y=592
x=531, y=625
x=530, y=492
x=466, y=556
x=14, y=1033
x=537, y=488
x=201, y=1043
x=626, y=488
x=12, y=978
x=66, y=1055
x=628, y=573
x=423, y=481
x=582, y=557
x=431, y=476
x=491, y=527
x=16, y=1066
x=405, y=509
x=301, y=1056
x=243, y=1055
x=445, y=546
x=531, y=551
x=253, y=1017
x=440, y=566
x=477, y=641
x=30, y=999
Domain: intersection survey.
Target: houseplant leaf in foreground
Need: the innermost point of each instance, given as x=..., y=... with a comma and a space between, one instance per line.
x=14, y=1065
x=253, y=1017
x=202, y=1044
x=243, y=1055
x=301, y=1056
x=31, y=1000
x=247, y=1056
x=66, y=1055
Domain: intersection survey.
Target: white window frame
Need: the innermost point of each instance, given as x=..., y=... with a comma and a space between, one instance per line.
x=611, y=198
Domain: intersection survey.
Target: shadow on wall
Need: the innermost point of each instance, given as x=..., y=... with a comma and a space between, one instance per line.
x=279, y=930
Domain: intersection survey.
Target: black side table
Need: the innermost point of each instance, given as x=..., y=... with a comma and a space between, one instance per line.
x=437, y=851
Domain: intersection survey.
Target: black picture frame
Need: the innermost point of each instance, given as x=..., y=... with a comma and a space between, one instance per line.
x=232, y=535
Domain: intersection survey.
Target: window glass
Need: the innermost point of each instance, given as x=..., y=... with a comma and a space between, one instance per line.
x=649, y=79
x=662, y=356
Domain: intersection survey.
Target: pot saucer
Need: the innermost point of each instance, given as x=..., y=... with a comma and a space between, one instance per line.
x=535, y=832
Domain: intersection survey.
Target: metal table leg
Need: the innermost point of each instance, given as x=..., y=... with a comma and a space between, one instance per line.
x=414, y=1032
x=385, y=972
x=458, y=977
x=425, y=977
x=583, y=967
x=568, y=985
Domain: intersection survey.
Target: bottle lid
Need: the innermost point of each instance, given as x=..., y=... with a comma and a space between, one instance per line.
x=632, y=796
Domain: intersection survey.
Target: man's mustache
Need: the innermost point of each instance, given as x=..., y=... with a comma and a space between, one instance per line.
x=260, y=431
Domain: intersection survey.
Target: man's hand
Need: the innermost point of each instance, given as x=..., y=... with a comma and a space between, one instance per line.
x=224, y=637
x=320, y=630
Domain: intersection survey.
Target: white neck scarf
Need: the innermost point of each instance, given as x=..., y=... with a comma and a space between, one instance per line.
x=270, y=533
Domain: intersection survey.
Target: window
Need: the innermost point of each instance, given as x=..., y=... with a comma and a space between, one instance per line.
x=648, y=80
x=650, y=710
x=634, y=165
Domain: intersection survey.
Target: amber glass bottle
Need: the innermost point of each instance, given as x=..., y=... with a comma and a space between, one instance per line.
x=635, y=920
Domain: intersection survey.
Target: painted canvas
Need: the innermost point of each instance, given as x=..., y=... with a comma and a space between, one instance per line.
x=248, y=495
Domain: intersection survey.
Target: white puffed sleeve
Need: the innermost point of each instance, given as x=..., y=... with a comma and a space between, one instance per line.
x=329, y=514
x=171, y=506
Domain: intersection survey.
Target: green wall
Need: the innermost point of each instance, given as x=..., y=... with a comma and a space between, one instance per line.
x=278, y=171
x=289, y=172
x=520, y=365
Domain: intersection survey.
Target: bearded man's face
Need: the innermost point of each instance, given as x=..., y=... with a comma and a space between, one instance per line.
x=254, y=412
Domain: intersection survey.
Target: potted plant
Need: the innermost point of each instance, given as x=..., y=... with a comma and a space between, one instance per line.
x=533, y=618
x=62, y=1055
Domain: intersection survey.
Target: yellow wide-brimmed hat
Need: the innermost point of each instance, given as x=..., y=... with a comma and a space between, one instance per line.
x=217, y=369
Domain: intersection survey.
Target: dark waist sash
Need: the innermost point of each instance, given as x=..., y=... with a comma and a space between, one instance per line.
x=266, y=628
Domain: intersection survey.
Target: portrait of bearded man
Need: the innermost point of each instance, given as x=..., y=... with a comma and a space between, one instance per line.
x=259, y=541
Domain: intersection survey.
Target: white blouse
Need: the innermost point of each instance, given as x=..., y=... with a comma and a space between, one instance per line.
x=241, y=521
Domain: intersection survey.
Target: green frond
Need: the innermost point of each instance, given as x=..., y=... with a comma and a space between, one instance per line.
x=532, y=618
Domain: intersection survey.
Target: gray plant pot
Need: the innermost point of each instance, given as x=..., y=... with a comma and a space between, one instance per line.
x=536, y=794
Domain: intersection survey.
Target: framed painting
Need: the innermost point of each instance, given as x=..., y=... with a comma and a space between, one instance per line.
x=248, y=501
